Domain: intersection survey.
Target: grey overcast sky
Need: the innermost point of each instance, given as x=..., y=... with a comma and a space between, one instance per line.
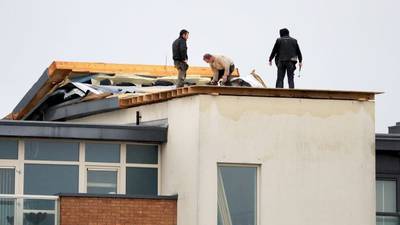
x=347, y=44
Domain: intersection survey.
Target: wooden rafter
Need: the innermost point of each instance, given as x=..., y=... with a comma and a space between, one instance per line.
x=150, y=70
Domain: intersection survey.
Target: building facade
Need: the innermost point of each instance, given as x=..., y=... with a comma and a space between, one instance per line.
x=388, y=176
x=195, y=155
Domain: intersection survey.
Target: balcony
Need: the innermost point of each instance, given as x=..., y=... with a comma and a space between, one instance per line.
x=28, y=210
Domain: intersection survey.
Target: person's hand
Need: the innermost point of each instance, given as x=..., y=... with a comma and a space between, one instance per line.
x=300, y=65
x=224, y=79
x=270, y=63
x=213, y=82
x=185, y=61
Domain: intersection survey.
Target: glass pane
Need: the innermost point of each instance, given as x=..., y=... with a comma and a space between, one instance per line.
x=102, y=182
x=386, y=196
x=8, y=149
x=142, y=154
x=7, y=181
x=102, y=152
x=39, y=204
x=387, y=220
x=50, y=179
x=7, y=211
x=39, y=218
x=141, y=181
x=39, y=211
x=237, y=195
x=51, y=150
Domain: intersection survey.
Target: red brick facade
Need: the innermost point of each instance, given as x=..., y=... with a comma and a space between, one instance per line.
x=116, y=211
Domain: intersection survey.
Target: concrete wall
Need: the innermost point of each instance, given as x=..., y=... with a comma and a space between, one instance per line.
x=316, y=157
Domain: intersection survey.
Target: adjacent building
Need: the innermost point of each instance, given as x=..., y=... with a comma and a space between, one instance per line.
x=388, y=176
x=79, y=149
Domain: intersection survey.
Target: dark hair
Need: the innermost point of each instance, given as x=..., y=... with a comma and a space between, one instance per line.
x=284, y=32
x=207, y=56
x=183, y=31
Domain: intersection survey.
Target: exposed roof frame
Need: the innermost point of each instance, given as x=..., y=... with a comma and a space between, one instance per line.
x=59, y=70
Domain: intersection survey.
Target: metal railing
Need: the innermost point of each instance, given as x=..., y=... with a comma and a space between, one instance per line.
x=28, y=210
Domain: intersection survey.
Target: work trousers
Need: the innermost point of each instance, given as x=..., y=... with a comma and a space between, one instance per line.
x=287, y=67
x=222, y=72
x=182, y=67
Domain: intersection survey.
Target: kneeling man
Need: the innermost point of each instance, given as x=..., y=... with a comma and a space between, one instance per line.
x=221, y=66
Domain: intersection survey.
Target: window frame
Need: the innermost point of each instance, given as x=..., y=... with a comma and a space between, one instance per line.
x=391, y=177
x=19, y=163
x=258, y=168
x=107, y=169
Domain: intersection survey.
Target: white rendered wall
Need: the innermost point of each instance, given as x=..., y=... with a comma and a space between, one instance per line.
x=316, y=157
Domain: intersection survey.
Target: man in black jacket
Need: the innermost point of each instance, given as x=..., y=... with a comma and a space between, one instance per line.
x=286, y=52
x=179, y=54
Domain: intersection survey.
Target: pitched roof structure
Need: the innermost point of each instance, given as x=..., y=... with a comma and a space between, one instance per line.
x=73, y=89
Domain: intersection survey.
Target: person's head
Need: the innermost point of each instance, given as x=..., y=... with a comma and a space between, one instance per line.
x=208, y=58
x=184, y=34
x=284, y=32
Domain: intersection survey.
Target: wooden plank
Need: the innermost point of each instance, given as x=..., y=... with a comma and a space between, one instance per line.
x=150, y=70
x=255, y=92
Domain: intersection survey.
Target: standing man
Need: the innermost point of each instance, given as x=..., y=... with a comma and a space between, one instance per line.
x=179, y=54
x=221, y=66
x=286, y=52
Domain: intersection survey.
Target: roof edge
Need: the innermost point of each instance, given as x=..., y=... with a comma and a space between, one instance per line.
x=132, y=101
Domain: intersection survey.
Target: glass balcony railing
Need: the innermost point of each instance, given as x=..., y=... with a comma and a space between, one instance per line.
x=28, y=210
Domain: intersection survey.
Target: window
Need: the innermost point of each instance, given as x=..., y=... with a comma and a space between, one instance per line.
x=141, y=181
x=7, y=180
x=386, y=202
x=237, y=195
x=102, y=152
x=41, y=212
x=40, y=179
x=101, y=181
x=7, y=186
x=147, y=154
x=8, y=149
x=51, y=150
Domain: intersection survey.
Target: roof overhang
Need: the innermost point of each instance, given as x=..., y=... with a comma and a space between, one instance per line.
x=388, y=142
x=63, y=130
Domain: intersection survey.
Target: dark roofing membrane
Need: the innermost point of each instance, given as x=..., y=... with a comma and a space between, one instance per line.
x=65, y=130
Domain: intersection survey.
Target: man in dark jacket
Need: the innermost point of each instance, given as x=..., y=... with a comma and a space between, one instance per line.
x=286, y=52
x=179, y=54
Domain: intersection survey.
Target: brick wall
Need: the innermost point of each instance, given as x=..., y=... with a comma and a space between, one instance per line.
x=78, y=210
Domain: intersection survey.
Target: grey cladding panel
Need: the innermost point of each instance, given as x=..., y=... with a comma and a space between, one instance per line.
x=81, y=109
x=31, y=93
